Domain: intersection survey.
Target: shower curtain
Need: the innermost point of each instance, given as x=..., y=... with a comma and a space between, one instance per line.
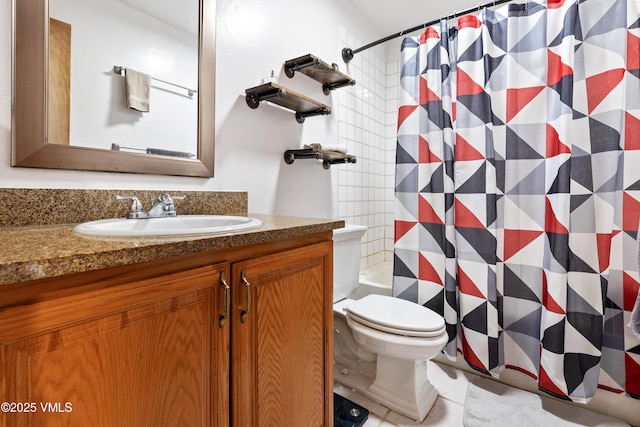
x=518, y=188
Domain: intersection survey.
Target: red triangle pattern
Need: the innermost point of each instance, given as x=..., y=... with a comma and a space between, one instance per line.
x=556, y=68
x=546, y=383
x=601, y=85
x=465, y=84
x=425, y=155
x=426, y=213
x=464, y=216
x=470, y=356
x=469, y=21
x=633, y=52
x=514, y=240
x=517, y=99
x=555, y=147
x=427, y=272
x=404, y=112
x=520, y=369
x=632, y=375
x=604, y=250
x=631, y=132
x=547, y=300
x=551, y=223
x=466, y=151
x=630, y=212
x=431, y=33
x=555, y=4
x=630, y=288
x=401, y=228
x=611, y=389
x=467, y=286
x=426, y=94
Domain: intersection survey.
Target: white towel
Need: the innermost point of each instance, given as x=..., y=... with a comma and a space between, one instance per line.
x=340, y=148
x=137, y=87
x=634, y=323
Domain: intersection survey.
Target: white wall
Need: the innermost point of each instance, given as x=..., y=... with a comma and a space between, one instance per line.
x=253, y=38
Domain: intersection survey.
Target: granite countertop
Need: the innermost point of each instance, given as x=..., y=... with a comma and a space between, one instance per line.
x=42, y=251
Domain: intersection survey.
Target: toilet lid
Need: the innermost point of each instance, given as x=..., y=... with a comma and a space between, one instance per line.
x=396, y=315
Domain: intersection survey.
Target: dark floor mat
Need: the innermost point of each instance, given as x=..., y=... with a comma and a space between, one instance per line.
x=348, y=413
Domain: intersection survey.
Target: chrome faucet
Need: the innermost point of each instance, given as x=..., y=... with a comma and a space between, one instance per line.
x=162, y=207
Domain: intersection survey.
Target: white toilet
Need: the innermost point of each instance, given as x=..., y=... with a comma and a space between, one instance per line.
x=381, y=343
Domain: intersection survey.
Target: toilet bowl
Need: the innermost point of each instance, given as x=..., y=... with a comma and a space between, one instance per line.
x=382, y=344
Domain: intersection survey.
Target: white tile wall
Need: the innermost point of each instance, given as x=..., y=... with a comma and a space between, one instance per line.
x=367, y=125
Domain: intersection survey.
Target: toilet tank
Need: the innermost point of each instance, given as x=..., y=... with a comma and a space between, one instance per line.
x=346, y=259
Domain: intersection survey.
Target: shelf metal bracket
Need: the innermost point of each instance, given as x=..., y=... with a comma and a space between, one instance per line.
x=328, y=157
x=327, y=74
x=253, y=99
x=301, y=115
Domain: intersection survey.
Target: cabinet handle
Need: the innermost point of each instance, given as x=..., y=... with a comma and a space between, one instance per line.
x=227, y=299
x=247, y=285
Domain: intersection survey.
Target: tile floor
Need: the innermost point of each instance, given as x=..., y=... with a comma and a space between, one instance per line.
x=451, y=384
x=448, y=411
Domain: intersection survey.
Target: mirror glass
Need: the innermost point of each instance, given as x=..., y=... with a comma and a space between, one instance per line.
x=88, y=38
x=126, y=85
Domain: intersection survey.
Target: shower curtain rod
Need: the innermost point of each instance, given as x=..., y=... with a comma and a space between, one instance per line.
x=347, y=53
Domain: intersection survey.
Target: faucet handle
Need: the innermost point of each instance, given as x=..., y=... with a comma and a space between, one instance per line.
x=166, y=202
x=167, y=197
x=136, y=210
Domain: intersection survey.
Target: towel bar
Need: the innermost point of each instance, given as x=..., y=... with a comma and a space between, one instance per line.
x=118, y=69
x=158, y=151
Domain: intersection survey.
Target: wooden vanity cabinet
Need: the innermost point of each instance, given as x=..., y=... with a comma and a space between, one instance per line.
x=282, y=355
x=146, y=353
x=133, y=349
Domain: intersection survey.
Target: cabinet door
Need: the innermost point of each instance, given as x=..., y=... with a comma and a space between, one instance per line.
x=149, y=353
x=281, y=354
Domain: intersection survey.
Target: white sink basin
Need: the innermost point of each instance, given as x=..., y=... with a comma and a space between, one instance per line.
x=169, y=226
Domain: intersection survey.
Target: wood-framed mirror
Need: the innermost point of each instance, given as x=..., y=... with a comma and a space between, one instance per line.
x=30, y=97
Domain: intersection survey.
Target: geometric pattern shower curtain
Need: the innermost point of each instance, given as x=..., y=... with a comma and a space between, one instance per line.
x=518, y=188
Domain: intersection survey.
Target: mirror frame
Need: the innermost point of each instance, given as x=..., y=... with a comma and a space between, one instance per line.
x=30, y=47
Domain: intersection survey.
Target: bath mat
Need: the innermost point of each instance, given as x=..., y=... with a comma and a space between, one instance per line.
x=493, y=404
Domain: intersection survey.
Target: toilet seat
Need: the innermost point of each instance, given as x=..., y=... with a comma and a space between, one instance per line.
x=396, y=316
